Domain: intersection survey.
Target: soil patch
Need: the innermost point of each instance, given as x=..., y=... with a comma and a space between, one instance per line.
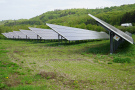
x=47, y=75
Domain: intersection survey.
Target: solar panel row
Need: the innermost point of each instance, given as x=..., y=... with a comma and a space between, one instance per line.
x=14, y=35
x=69, y=33
x=30, y=34
x=20, y=34
x=8, y=35
x=4, y=35
x=73, y=34
x=45, y=33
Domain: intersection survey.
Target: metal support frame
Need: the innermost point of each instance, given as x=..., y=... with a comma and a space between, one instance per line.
x=37, y=38
x=61, y=40
x=26, y=37
x=40, y=39
x=58, y=39
x=113, y=44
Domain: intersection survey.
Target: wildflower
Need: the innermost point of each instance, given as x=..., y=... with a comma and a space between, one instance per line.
x=7, y=77
x=75, y=81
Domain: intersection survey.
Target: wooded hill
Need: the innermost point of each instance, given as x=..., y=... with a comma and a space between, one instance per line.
x=77, y=18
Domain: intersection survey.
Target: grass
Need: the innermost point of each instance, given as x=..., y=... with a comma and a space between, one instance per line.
x=81, y=65
x=122, y=60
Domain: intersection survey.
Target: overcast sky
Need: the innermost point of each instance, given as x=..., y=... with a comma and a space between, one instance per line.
x=18, y=9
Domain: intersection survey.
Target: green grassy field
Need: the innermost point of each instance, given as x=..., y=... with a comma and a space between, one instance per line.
x=83, y=66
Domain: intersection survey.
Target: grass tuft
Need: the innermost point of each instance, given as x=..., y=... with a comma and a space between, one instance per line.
x=122, y=60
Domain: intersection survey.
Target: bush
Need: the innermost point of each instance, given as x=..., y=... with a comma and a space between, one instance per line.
x=122, y=60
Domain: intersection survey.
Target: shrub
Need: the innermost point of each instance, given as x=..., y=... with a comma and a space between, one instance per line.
x=122, y=60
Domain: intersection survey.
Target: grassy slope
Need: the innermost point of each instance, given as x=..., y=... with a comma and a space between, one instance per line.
x=75, y=66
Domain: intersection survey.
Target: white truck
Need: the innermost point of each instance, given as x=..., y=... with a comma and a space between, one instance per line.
x=126, y=24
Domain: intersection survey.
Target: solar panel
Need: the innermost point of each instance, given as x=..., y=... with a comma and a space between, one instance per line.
x=128, y=33
x=4, y=35
x=73, y=34
x=115, y=30
x=30, y=34
x=20, y=34
x=45, y=33
x=13, y=35
x=8, y=35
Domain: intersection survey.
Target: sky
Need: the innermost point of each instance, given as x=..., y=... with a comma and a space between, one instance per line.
x=26, y=9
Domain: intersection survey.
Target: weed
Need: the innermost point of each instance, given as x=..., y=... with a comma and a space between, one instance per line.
x=122, y=60
x=75, y=82
x=48, y=77
x=109, y=62
x=2, y=85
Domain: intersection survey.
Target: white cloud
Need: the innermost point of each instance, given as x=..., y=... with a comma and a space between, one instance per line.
x=2, y=1
x=16, y=9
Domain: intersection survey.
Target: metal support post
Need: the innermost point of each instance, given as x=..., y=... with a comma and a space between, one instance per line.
x=26, y=37
x=61, y=39
x=58, y=39
x=114, y=47
x=37, y=38
x=111, y=42
x=40, y=39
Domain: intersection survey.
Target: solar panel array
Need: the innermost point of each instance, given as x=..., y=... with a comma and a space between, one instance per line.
x=4, y=35
x=8, y=35
x=74, y=34
x=30, y=34
x=46, y=34
x=20, y=34
x=113, y=29
x=12, y=35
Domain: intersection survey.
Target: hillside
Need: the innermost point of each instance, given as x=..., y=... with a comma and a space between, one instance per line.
x=77, y=18
x=6, y=21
